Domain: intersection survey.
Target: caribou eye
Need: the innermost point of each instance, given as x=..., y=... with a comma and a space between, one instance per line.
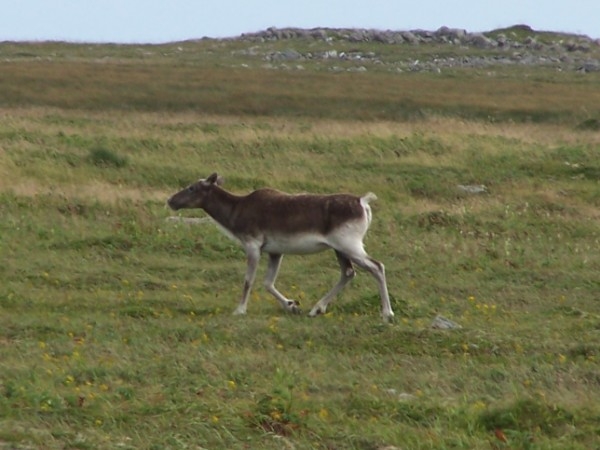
x=191, y=189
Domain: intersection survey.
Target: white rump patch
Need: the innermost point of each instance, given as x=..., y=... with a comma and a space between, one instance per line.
x=364, y=201
x=367, y=198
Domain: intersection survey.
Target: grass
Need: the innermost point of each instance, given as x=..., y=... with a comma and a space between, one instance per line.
x=217, y=77
x=116, y=326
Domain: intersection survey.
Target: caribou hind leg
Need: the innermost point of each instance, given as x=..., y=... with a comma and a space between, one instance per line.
x=377, y=269
x=346, y=275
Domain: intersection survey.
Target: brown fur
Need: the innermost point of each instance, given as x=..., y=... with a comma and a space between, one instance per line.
x=269, y=209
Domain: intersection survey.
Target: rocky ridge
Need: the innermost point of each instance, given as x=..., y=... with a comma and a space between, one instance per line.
x=519, y=45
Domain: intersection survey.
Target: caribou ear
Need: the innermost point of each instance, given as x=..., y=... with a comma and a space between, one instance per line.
x=214, y=178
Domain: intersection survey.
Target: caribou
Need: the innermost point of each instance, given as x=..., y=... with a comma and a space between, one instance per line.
x=273, y=222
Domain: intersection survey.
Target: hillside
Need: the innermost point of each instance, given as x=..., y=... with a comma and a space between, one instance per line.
x=518, y=45
x=514, y=74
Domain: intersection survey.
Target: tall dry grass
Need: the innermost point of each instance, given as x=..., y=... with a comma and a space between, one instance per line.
x=258, y=92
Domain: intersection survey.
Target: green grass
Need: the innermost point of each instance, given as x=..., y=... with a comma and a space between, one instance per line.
x=115, y=325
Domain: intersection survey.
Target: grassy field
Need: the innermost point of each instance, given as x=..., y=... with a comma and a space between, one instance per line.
x=115, y=325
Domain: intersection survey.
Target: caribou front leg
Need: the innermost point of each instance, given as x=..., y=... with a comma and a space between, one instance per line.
x=253, y=256
x=272, y=271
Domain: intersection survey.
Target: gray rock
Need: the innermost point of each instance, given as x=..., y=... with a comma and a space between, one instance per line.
x=442, y=323
x=319, y=34
x=453, y=34
x=578, y=46
x=409, y=37
x=502, y=41
x=286, y=55
x=479, y=40
x=566, y=53
x=472, y=188
x=356, y=37
x=589, y=66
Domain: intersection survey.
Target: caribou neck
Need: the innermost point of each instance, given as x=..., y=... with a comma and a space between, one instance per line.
x=221, y=205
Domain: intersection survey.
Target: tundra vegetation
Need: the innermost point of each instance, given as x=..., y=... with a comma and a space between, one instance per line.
x=115, y=325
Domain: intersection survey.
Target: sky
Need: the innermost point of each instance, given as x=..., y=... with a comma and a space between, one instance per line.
x=152, y=21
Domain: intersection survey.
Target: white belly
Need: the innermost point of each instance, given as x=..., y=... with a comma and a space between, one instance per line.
x=298, y=244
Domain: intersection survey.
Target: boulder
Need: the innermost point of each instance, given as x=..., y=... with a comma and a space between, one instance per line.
x=479, y=40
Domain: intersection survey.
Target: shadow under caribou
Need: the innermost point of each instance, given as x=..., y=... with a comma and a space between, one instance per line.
x=272, y=222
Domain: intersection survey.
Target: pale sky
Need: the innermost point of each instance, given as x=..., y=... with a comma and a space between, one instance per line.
x=153, y=21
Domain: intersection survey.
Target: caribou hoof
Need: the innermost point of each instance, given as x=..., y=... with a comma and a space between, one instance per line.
x=293, y=306
x=316, y=311
x=388, y=318
x=239, y=311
